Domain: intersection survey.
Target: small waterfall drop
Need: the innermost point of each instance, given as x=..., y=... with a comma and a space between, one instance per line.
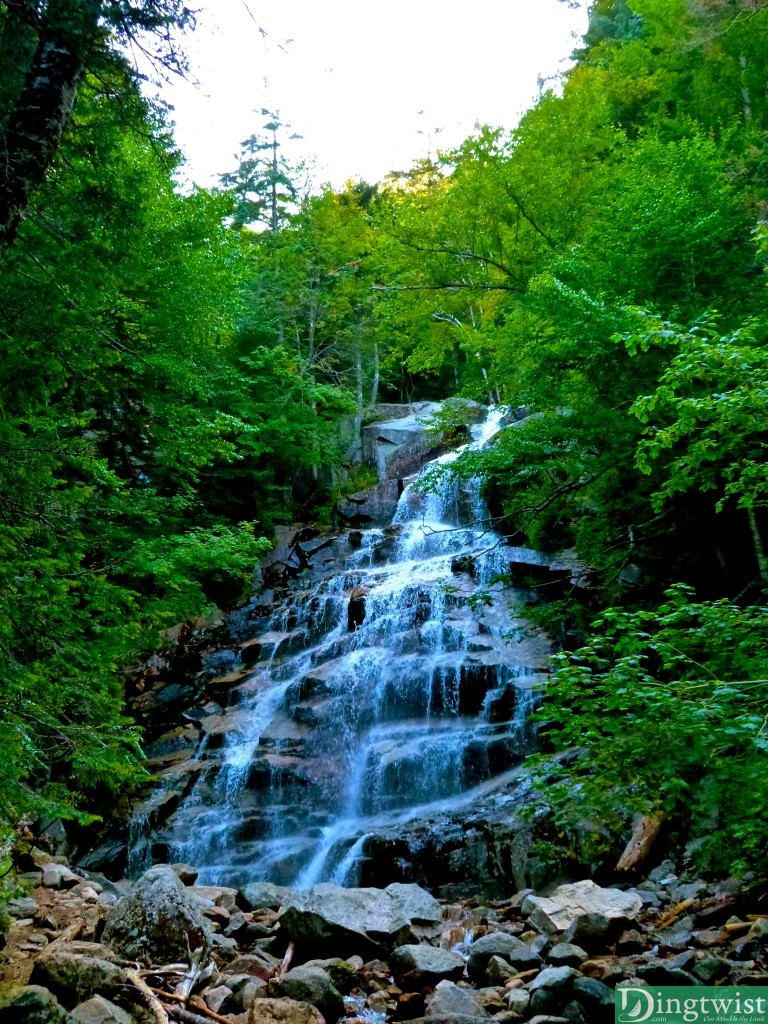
x=389, y=687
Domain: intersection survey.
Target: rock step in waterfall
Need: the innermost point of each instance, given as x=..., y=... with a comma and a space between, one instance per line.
x=386, y=685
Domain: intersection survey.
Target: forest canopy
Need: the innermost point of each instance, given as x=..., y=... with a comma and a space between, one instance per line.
x=176, y=364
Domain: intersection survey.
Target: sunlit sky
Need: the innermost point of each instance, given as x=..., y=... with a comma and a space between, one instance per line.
x=370, y=87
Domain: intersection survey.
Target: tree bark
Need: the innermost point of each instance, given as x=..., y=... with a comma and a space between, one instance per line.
x=375, y=385
x=638, y=848
x=757, y=540
x=34, y=129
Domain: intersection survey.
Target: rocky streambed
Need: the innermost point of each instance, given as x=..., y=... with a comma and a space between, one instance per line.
x=162, y=949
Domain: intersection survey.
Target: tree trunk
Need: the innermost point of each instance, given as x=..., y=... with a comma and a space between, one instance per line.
x=358, y=389
x=746, y=99
x=40, y=115
x=757, y=540
x=375, y=385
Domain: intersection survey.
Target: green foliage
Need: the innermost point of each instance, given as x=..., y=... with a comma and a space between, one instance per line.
x=665, y=711
x=145, y=454
x=704, y=421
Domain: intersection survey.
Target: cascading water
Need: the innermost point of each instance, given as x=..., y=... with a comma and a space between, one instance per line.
x=392, y=687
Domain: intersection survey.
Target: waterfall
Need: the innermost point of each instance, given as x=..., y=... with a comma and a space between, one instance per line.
x=392, y=685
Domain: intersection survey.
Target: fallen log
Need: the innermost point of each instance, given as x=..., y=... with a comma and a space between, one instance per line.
x=644, y=835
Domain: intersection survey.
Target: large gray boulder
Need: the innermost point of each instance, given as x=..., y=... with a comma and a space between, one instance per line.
x=420, y=965
x=73, y=978
x=556, y=912
x=509, y=948
x=313, y=985
x=448, y=1000
x=158, y=921
x=331, y=921
x=34, y=1005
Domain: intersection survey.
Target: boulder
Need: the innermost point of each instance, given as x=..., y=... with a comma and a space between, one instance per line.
x=420, y=965
x=284, y=1011
x=186, y=874
x=448, y=1000
x=517, y=1000
x=595, y=996
x=344, y=975
x=373, y=507
x=34, y=1005
x=330, y=920
x=100, y=1011
x=509, y=948
x=158, y=921
x=59, y=876
x=590, y=930
x=265, y=896
x=73, y=978
x=555, y=913
x=554, y=978
x=313, y=985
x=565, y=954
x=22, y=906
x=498, y=971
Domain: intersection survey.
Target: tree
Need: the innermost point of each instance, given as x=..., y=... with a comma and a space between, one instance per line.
x=62, y=38
x=266, y=184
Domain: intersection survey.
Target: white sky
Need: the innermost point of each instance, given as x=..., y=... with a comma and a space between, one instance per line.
x=370, y=86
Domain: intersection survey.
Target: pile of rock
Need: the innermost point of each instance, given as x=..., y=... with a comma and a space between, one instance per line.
x=164, y=949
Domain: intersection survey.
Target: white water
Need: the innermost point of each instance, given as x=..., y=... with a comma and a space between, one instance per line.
x=342, y=733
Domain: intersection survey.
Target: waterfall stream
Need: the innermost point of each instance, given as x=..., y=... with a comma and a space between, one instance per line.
x=393, y=685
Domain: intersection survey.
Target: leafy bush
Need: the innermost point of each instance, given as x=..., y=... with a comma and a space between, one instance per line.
x=668, y=710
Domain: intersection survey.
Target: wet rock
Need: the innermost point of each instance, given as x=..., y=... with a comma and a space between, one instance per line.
x=265, y=896
x=356, y=608
x=158, y=920
x=371, y=922
x=595, y=996
x=220, y=999
x=566, y=954
x=759, y=930
x=663, y=872
x=185, y=873
x=631, y=941
x=420, y=965
x=660, y=972
x=59, y=876
x=448, y=1000
x=567, y=903
x=100, y=1011
x=373, y=507
x=313, y=985
x=451, y=1018
x=554, y=979
x=344, y=975
x=34, y=1005
x=509, y=948
x=74, y=978
x=410, y=1005
x=499, y=971
x=589, y=931
x=548, y=1018
x=284, y=1011
x=254, y=964
x=573, y=1013
x=709, y=969
x=517, y=1000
